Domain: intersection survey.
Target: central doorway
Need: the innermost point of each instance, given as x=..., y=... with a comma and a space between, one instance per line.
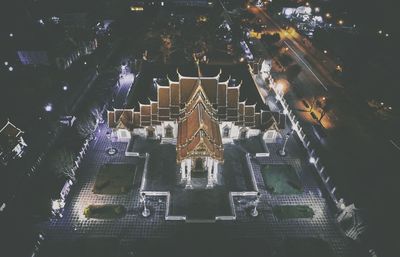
x=199, y=170
x=199, y=165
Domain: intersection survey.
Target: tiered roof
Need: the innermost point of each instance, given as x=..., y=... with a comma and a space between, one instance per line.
x=198, y=129
x=224, y=97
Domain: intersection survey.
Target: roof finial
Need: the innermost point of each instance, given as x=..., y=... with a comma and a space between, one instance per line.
x=196, y=60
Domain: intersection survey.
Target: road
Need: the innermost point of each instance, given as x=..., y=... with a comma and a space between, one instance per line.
x=360, y=153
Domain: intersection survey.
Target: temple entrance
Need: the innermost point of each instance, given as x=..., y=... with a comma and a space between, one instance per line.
x=199, y=165
x=199, y=170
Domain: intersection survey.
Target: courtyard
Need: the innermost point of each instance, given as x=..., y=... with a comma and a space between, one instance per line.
x=132, y=229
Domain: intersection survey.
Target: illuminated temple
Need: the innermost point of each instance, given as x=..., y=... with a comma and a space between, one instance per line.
x=199, y=115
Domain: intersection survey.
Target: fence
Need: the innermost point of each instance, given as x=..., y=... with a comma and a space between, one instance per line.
x=313, y=157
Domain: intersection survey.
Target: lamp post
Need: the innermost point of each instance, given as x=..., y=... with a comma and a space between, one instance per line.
x=146, y=211
x=254, y=211
x=282, y=152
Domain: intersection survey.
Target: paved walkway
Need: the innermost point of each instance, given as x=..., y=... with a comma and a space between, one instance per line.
x=133, y=226
x=124, y=84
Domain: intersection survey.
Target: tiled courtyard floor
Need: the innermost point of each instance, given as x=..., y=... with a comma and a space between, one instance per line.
x=134, y=227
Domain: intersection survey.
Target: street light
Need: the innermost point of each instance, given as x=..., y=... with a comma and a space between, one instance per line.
x=11, y=35
x=48, y=107
x=341, y=22
x=65, y=88
x=146, y=211
x=287, y=136
x=328, y=15
x=5, y=63
x=325, y=51
x=10, y=68
x=254, y=211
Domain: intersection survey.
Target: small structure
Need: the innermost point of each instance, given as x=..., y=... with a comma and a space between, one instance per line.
x=352, y=222
x=12, y=144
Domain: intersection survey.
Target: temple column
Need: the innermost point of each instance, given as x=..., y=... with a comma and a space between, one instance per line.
x=210, y=182
x=215, y=171
x=183, y=170
x=189, y=173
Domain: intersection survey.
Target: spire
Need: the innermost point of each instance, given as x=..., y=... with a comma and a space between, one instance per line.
x=196, y=60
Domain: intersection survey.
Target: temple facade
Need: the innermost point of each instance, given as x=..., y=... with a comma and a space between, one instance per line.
x=199, y=115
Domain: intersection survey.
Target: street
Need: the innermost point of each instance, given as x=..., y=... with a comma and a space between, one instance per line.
x=359, y=151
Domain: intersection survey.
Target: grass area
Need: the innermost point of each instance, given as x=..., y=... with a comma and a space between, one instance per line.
x=292, y=211
x=281, y=179
x=253, y=144
x=306, y=247
x=108, y=211
x=114, y=178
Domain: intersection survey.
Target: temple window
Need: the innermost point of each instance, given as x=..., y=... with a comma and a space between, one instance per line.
x=226, y=131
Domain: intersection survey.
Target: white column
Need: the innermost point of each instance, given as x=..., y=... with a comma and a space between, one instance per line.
x=215, y=171
x=209, y=174
x=183, y=170
x=189, y=173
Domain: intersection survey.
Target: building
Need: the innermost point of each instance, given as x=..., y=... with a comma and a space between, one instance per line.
x=56, y=42
x=12, y=144
x=198, y=115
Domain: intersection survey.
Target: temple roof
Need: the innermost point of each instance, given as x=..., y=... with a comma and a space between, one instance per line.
x=198, y=130
x=153, y=101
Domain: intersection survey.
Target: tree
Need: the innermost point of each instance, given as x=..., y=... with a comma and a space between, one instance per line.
x=285, y=60
x=86, y=123
x=292, y=72
x=273, y=50
x=270, y=39
x=276, y=37
x=61, y=163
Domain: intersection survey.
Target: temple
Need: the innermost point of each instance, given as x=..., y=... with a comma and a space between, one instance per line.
x=198, y=115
